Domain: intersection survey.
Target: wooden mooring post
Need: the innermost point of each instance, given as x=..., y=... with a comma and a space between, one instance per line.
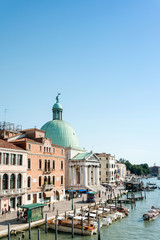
x=56, y=230
x=46, y=223
x=82, y=226
x=29, y=228
x=38, y=234
x=99, y=229
x=9, y=233
x=72, y=227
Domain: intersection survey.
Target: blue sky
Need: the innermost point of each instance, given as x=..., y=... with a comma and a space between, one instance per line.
x=104, y=58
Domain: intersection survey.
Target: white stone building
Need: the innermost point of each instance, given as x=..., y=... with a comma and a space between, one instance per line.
x=107, y=168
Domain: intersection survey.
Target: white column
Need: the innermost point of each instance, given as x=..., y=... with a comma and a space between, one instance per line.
x=70, y=177
x=93, y=175
x=85, y=168
x=73, y=175
x=9, y=178
x=97, y=175
x=89, y=175
x=9, y=159
x=80, y=173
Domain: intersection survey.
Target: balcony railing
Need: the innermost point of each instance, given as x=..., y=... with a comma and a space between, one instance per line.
x=48, y=187
x=46, y=171
x=7, y=192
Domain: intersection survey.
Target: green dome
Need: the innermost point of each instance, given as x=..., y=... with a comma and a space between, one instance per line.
x=61, y=133
x=57, y=106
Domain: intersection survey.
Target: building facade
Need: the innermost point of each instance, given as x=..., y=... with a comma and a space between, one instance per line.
x=120, y=171
x=107, y=168
x=82, y=169
x=13, y=175
x=45, y=166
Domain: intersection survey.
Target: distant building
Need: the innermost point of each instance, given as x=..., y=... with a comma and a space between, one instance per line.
x=45, y=166
x=155, y=170
x=107, y=168
x=8, y=130
x=13, y=175
x=120, y=171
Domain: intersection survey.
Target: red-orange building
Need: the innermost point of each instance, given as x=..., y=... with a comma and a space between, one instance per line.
x=45, y=166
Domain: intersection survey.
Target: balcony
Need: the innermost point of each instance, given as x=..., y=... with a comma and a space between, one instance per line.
x=48, y=187
x=9, y=192
x=47, y=171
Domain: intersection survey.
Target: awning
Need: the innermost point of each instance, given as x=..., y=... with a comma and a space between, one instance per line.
x=82, y=191
x=48, y=194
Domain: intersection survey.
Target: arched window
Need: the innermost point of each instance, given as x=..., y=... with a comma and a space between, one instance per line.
x=53, y=164
x=40, y=164
x=49, y=165
x=40, y=181
x=61, y=165
x=49, y=179
x=29, y=163
x=29, y=182
x=53, y=180
x=45, y=179
x=5, y=181
x=19, y=181
x=12, y=182
x=45, y=166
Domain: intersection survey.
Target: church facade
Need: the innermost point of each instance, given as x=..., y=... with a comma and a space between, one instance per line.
x=81, y=167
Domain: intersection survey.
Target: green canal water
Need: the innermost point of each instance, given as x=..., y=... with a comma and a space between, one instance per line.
x=132, y=227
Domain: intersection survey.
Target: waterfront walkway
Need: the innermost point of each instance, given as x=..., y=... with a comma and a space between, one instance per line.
x=62, y=207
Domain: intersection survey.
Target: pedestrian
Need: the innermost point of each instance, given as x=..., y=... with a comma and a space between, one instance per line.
x=49, y=206
x=2, y=212
x=18, y=215
x=53, y=206
x=9, y=209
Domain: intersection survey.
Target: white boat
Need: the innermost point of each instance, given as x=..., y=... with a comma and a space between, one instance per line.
x=66, y=226
x=106, y=221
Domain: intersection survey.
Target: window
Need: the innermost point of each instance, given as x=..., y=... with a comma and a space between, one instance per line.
x=29, y=182
x=40, y=195
x=45, y=166
x=106, y=165
x=45, y=180
x=49, y=149
x=53, y=180
x=62, y=180
x=6, y=158
x=19, y=180
x=29, y=197
x=13, y=159
x=112, y=165
x=53, y=150
x=53, y=164
x=29, y=163
x=61, y=151
x=40, y=181
x=61, y=165
x=40, y=148
x=12, y=181
x=40, y=164
x=19, y=159
x=49, y=180
x=99, y=165
x=99, y=172
x=44, y=149
x=5, y=181
x=49, y=165
x=29, y=146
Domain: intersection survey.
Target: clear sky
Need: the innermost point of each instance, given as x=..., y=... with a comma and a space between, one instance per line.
x=104, y=58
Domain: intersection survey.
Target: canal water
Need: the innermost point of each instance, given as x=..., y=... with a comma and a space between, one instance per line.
x=132, y=227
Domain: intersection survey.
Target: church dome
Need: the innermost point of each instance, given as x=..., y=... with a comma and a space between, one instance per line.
x=60, y=132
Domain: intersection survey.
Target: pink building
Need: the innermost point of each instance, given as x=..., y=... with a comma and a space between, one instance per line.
x=13, y=175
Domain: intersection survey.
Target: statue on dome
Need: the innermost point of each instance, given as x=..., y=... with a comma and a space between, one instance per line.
x=57, y=98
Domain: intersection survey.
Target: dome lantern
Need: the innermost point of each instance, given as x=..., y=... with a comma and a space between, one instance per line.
x=57, y=109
